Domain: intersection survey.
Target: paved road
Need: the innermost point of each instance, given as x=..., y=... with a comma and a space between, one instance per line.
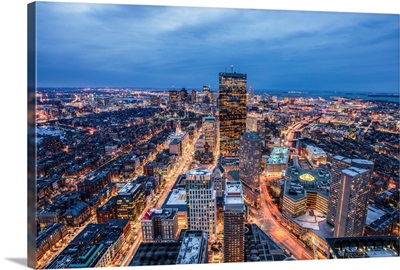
x=265, y=220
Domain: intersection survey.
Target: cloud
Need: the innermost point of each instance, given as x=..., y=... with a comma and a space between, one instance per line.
x=123, y=41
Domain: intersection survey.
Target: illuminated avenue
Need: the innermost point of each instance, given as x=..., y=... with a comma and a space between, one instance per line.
x=122, y=175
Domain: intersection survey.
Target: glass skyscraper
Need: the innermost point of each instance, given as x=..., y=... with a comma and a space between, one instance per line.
x=232, y=111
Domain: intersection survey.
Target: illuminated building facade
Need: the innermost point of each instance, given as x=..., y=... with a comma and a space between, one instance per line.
x=210, y=131
x=184, y=95
x=234, y=218
x=207, y=98
x=232, y=111
x=305, y=189
x=194, y=96
x=278, y=161
x=359, y=191
x=130, y=201
x=339, y=163
x=250, y=95
x=160, y=224
x=201, y=198
x=173, y=96
x=352, y=206
x=255, y=122
x=250, y=167
x=316, y=155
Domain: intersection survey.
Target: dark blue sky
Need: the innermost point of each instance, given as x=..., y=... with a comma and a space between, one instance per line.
x=89, y=45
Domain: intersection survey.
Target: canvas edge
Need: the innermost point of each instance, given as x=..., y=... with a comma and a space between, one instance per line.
x=31, y=176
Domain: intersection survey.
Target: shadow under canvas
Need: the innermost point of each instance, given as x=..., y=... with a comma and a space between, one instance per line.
x=20, y=261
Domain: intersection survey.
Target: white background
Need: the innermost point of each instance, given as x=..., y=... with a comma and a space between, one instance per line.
x=13, y=132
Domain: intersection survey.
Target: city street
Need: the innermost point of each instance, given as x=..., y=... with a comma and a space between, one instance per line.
x=184, y=162
x=263, y=217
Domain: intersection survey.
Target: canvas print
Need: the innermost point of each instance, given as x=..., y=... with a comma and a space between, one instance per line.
x=165, y=135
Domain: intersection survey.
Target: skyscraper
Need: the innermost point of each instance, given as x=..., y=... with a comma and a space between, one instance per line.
x=194, y=96
x=173, y=96
x=232, y=111
x=234, y=217
x=338, y=165
x=255, y=122
x=201, y=198
x=184, y=95
x=250, y=99
x=250, y=167
x=210, y=131
x=207, y=95
x=352, y=205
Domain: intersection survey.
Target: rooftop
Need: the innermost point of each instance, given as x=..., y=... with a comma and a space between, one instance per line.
x=324, y=230
x=164, y=213
x=251, y=136
x=302, y=180
x=363, y=161
x=161, y=253
x=341, y=158
x=354, y=171
x=316, y=150
x=234, y=193
x=199, y=172
x=176, y=199
x=279, y=155
x=364, y=246
x=311, y=219
x=192, y=248
x=129, y=189
x=373, y=214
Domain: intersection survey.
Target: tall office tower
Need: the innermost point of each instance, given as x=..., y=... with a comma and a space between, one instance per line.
x=201, y=198
x=194, y=96
x=250, y=167
x=234, y=218
x=338, y=165
x=184, y=95
x=255, y=122
x=207, y=95
x=210, y=131
x=173, y=96
x=250, y=96
x=232, y=111
x=352, y=205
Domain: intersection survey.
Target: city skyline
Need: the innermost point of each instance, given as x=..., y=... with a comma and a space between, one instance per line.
x=150, y=46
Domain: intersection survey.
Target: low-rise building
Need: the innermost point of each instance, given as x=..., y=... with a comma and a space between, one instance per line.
x=77, y=215
x=305, y=189
x=176, y=199
x=160, y=224
x=315, y=155
x=94, y=246
x=194, y=248
x=277, y=162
